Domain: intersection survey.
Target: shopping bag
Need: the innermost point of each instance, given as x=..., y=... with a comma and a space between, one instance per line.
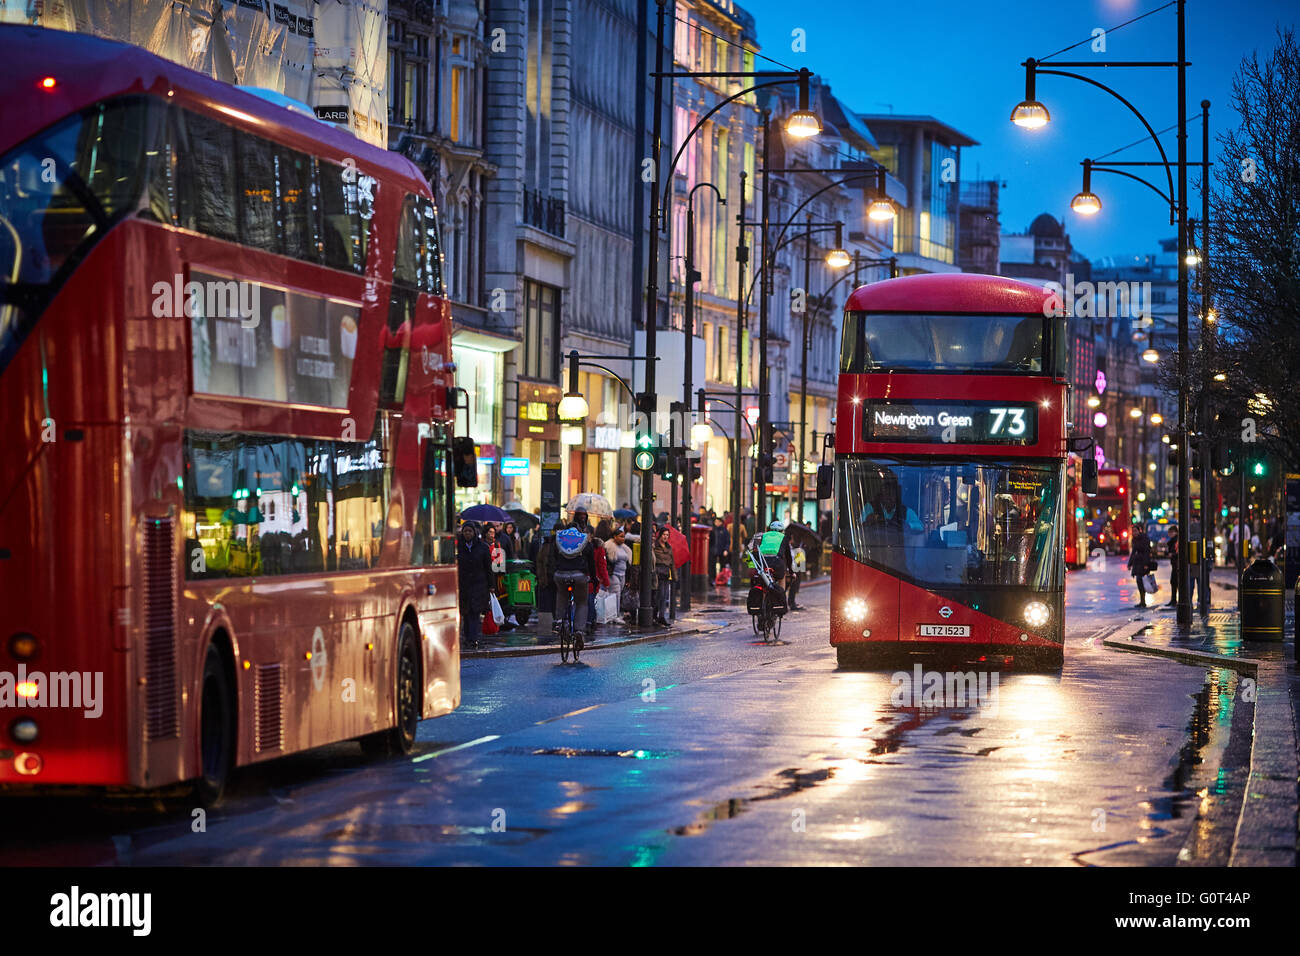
x=799, y=559
x=498, y=617
x=724, y=577
x=498, y=560
x=606, y=607
x=1150, y=582
x=489, y=624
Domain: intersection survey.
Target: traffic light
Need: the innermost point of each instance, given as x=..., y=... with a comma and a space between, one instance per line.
x=763, y=469
x=1259, y=468
x=693, y=472
x=645, y=457
x=1173, y=453
x=1224, y=458
x=665, y=464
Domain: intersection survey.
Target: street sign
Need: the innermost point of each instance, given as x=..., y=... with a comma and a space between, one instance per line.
x=514, y=467
x=781, y=461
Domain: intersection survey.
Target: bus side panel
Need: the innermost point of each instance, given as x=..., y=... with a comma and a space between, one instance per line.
x=879, y=591
x=61, y=522
x=440, y=632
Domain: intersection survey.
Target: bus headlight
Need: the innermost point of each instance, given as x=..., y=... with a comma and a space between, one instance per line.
x=24, y=731
x=1036, y=614
x=24, y=647
x=855, y=609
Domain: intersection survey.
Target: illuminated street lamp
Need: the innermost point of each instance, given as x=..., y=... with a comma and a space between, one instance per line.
x=1094, y=401
x=1029, y=113
x=882, y=210
x=1086, y=203
x=1157, y=418
x=803, y=122
x=573, y=407
x=1135, y=413
x=837, y=258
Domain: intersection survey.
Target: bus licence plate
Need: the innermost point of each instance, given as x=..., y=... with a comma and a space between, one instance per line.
x=943, y=630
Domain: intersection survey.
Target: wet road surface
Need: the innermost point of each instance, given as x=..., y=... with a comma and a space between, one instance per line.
x=715, y=749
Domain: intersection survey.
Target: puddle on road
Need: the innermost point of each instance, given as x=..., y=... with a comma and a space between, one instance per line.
x=788, y=782
x=578, y=752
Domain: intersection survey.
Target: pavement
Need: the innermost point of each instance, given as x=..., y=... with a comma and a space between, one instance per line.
x=710, y=611
x=1267, y=826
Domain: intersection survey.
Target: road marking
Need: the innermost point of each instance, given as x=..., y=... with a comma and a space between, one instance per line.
x=572, y=713
x=464, y=746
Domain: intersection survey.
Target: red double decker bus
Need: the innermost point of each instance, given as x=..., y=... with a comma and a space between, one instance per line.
x=1076, y=513
x=1110, y=510
x=949, y=474
x=226, y=490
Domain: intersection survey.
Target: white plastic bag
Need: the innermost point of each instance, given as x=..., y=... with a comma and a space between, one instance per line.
x=1150, y=583
x=799, y=559
x=497, y=614
x=606, y=607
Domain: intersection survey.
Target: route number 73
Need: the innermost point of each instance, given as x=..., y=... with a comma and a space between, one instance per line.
x=1016, y=426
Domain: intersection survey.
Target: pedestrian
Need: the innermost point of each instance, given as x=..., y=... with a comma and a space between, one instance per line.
x=1140, y=563
x=663, y=574
x=509, y=539
x=474, y=565
x=793, y=576
x=719, y=548
x=618, y=557
x=545, y=571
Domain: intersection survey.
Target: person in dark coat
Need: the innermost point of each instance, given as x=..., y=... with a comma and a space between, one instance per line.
x=719, y=548
x=1140, y=563
x=1176, y=542
x=474, y=564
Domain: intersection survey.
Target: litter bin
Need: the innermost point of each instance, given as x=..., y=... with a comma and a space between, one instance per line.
x=521, y=588
x=1261, y=597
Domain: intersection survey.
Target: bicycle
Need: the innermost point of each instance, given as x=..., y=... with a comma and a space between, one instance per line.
x=570, y=635
x=765, y=610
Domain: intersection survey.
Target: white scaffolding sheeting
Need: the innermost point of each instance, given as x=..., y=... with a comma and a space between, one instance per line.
x=327, y=53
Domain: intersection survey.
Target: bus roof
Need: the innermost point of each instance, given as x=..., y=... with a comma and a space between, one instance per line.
x=951, y=292
x=87, y=69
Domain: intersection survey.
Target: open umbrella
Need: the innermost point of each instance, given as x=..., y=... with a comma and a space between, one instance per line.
x=681, y=548
x=623, y=514
x=484, y=513
x=525, y=521
x=596, y=506
x=802, y=536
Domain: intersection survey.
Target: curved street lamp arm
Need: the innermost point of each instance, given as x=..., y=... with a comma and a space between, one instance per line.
x=777, y=243
x=668, y=180
x=744, y=418
x=631, y=393
x=1119, y=172
x=716, y=191
x=1133, y=109
x=849, y=275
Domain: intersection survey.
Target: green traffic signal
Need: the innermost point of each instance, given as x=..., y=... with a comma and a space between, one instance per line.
x=644, y=460
x=1258, y=469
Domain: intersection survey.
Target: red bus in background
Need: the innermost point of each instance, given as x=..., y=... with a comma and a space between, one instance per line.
x=949, y=474
x=1076, y=511
x=1111, y=510
x=226, y=491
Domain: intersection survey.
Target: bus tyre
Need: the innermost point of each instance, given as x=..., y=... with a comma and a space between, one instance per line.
x=216, y=729
x=400, y=740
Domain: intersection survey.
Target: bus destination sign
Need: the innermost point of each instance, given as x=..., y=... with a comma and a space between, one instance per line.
x=961, y=423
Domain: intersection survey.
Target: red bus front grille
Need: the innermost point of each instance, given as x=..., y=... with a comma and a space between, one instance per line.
x=268, y=708
x=163, y=719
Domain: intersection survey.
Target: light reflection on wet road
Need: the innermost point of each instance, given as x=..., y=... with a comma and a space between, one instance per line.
x=716, y=750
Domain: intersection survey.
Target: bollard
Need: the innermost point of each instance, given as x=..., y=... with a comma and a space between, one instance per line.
x=1261, y=602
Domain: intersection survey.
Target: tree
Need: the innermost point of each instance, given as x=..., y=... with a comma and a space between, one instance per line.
x=1255, y=249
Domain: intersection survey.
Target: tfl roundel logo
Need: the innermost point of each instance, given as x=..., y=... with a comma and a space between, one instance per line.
x=945, y=612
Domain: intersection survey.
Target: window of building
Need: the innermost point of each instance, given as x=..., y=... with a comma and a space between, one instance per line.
x=708, y=349
x=722, y=354
x=541, y=349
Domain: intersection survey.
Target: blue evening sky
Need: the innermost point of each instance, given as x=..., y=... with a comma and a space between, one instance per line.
x=959, y=61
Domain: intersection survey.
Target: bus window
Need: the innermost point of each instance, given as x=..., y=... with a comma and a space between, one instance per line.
x=257, y=197
x=346, y=203
x=431, y=259
x=60, y=192
x=295, y=197
x=205, y=180
x=882, y=341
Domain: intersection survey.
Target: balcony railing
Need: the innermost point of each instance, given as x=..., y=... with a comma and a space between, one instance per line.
x=543, y=212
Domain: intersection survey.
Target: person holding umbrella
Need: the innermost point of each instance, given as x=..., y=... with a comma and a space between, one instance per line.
x=664, y=570
x=475, y=566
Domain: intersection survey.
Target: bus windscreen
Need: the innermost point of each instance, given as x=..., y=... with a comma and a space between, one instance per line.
x=919, y=342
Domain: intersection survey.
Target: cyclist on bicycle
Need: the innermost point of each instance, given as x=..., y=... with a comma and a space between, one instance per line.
x=575, y=565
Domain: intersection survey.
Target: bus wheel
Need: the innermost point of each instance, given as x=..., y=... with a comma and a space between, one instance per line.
x=216, y=729
x=400, y=740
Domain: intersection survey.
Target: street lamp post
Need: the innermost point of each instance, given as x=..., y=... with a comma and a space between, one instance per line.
x=1207, y=352
x=742, y=258
x=691, y=278
x=1031, y=114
